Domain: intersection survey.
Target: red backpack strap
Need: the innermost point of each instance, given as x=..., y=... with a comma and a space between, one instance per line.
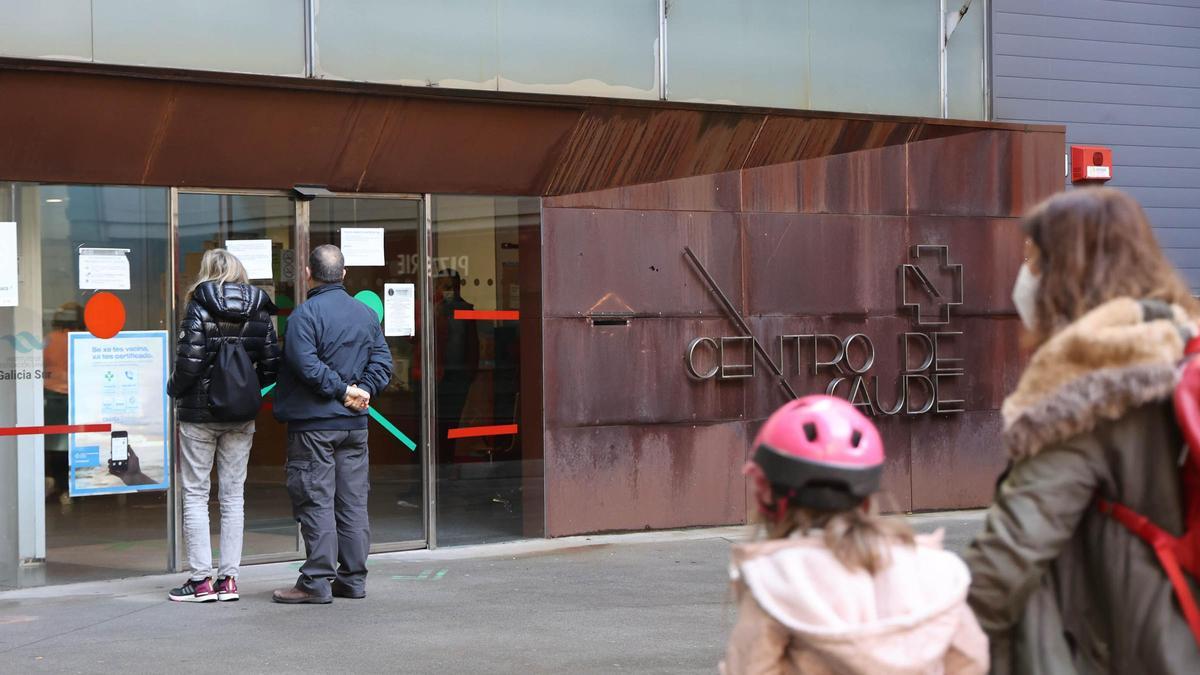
x=1187, y=416
x=1164, y=546
x=1187, y=402
x=1187, y=601
x=1167, y=548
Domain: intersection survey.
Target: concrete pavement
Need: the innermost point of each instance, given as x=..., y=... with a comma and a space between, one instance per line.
x=653, y=602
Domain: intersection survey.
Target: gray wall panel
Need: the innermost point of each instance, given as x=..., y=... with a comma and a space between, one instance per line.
x=1043, y=110
x=1183, y=197
x=1179, y=237
x=1085, y=49
x=1120, y=74
x=1153, y=176
x=1078, y=70
x=1174, y=13
x=1138, y=155
x=1186, y=259
x=1110, y=31
x=1172, y=219
x=1098, y=92
x=1114, y=134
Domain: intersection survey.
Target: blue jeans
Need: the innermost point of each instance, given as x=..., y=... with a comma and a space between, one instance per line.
x=229, y=444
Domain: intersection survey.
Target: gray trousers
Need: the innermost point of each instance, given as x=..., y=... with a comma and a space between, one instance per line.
x=199, y=444
x=328, y=480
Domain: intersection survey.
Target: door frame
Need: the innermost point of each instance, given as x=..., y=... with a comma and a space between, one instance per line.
x=301, y=231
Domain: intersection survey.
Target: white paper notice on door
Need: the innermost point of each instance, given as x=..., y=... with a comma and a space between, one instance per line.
x=362, y=246
x=399, y=310
x=103, y=269
x=8, y=265
x=255, y=255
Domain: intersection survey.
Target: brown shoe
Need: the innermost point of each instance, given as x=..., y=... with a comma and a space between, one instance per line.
x=298, y=596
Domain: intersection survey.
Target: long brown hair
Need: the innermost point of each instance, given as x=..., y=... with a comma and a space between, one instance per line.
x=857, y=537
x=1096, y=245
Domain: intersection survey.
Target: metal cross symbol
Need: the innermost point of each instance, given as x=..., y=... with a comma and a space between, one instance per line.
x=913, y=270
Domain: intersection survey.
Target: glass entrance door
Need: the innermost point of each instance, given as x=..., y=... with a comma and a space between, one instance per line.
x=387, y=274
x=291, y=228
x=208, y=220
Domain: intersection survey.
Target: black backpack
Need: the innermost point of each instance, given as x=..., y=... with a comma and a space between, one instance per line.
x=233, y=392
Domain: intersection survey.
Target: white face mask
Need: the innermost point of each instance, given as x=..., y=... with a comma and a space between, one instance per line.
x=1024, y=296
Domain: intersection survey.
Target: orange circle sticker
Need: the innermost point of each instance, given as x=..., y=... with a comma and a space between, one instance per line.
x=104, y=315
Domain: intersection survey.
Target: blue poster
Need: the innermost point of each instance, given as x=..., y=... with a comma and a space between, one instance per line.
x=122, y=382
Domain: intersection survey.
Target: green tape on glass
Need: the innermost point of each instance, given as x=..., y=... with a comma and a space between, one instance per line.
x=383, y=421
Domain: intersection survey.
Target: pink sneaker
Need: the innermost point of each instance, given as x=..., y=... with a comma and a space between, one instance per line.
x=194, y=591
x=227, y=589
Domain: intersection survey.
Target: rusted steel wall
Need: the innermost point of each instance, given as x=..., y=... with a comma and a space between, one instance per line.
x=81, y=123
x=805, y=247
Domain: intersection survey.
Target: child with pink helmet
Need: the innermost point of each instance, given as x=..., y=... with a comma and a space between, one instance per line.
x=832, y=587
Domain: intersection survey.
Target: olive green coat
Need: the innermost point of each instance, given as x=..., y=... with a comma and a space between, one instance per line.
x=1058, y=586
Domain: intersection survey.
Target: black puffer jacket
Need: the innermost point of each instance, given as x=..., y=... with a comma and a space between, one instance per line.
x=217, y=310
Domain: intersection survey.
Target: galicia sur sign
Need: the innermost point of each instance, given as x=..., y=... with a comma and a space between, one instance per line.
x=24, y=374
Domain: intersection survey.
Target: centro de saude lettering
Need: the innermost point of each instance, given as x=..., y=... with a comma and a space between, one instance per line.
x=922, y=386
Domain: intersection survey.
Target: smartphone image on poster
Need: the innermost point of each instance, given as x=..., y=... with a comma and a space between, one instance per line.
x=120, y=451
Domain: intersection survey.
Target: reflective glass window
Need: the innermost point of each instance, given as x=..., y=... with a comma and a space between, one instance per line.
x=579, y=47
x=49, y=533
x=451, y=43
x=263, y=36
x=875, y=56
x=489, y=459
x=743, y=53
x=46, y=30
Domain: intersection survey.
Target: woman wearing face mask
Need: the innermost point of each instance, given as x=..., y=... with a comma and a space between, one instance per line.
x=1059, y=586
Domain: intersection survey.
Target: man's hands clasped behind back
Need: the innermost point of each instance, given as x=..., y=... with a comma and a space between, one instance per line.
x=356, y=398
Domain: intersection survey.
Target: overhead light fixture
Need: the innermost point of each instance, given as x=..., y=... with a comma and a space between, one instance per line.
x=307, y=193
x=54, y=200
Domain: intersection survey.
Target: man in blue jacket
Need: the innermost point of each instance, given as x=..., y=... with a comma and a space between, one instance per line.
x=335, y=360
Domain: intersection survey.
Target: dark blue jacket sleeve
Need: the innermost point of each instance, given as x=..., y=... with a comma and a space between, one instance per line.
x=378, y=372
x=300, y=353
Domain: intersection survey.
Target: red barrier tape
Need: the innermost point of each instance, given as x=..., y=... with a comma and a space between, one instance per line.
x=54, y=429
x=483, y=315
x=475, y=432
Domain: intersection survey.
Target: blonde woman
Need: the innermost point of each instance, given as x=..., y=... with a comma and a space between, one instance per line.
x=227, y=319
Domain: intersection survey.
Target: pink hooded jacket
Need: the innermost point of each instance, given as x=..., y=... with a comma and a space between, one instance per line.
x=806, y=613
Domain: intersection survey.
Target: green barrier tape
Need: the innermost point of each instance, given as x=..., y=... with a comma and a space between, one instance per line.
x=383, y=421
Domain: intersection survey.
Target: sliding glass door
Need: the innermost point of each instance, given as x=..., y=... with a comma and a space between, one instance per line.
x=240, y=222
x=273, y=233
x=388, y=279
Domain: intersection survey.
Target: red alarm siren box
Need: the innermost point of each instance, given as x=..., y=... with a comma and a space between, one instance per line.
x=1090, y=164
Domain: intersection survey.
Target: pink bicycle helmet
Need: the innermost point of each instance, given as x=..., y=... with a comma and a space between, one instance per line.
x=820, y=452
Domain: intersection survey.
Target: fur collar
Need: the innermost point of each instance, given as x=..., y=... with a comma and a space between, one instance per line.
x=1119, y=356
